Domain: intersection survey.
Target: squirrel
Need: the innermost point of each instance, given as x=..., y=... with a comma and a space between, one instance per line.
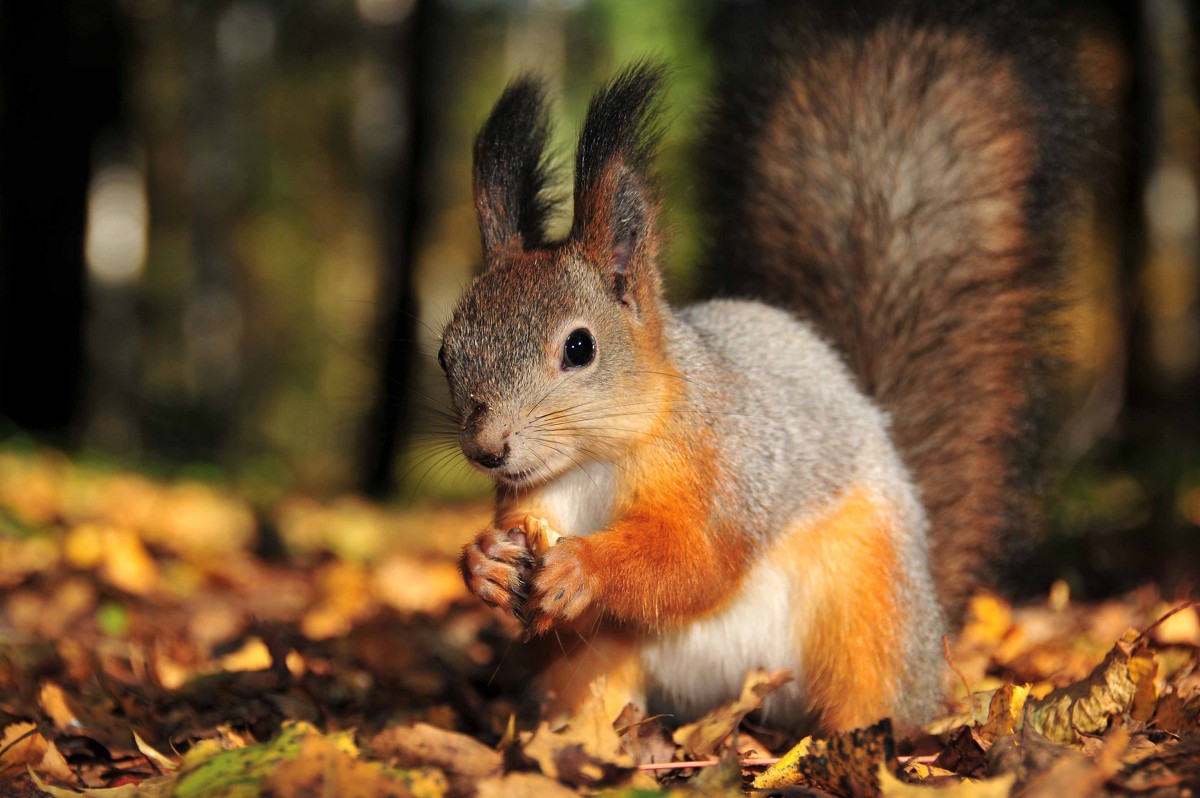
x=814, y=479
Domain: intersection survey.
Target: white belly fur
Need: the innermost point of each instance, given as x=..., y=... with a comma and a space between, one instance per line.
x=691, y=670
x=580, y=501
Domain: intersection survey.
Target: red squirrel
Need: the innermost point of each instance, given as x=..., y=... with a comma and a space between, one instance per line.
x=813, y=479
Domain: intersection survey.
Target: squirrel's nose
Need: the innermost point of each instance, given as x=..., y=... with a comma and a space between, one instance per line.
x=490, y=460
x=485, y=458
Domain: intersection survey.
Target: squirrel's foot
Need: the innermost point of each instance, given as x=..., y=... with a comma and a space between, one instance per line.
x=496, y=567
x=563, y=587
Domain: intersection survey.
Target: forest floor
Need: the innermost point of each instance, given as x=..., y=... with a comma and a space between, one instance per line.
x=168, y=638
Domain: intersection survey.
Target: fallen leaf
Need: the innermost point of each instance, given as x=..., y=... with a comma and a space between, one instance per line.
x=523, y=785
x=165, y=763
x=965, y=753
x=845, y=762
x=1004, y=711
x=425, y=745
x=1078, y=776
x=53, y=702
x=892, y=787
x=1178, y=628
x=701, y=738
x=322, y=767
x=345, y=593
x=23, y=748
x=252, y=656
x=1088, y=706
x=587, y=752
x=411, y=585
x=157, y=787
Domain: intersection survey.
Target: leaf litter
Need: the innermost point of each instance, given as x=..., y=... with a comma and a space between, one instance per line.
x=152, y=643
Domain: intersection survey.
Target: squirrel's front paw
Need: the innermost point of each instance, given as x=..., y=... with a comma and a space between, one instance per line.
x=496, y=567
x=563, y=586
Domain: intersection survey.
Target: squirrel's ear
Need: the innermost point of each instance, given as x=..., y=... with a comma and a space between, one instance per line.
x=615, y=202
x=511, y=170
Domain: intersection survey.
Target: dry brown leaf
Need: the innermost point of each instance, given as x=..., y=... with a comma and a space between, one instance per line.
x=422, y=745
x=158, y=787
x=701, y=739
x=588, y=752
x=523, y=785
x=965, y=753
x=1078, y=776
x=892, y=787
x=844, y=763
x=23, y=748
x=1173, y=714
x=1110, y=690
x=645, y=738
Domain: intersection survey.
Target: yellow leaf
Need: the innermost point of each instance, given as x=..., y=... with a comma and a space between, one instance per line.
x=988, y=619
x=53, y=702
x=778, y=774
x=84, y=546
x=1143, y=668
x=127, y=564
x=842, y=762
x=1004, y=711
x=418, y=586
x=252, y=656
x=345, y=597
x=164, y=762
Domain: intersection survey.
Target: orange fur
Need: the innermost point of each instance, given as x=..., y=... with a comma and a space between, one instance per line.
x=849, y=631
x=664, y=561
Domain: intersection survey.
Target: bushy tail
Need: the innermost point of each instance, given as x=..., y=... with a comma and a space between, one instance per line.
x=897, y=179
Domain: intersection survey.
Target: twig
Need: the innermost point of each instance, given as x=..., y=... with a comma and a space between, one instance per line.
x=708, y=763
x=757, y=761
x=1156, y=624
x=953, y=667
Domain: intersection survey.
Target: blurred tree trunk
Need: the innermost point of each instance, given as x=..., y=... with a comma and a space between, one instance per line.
x=1161, y=271
x=404, y=52
x=62, y=86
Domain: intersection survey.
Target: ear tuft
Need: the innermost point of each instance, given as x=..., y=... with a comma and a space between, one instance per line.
x=512, y=171
x=615, y=203
x=623, y=123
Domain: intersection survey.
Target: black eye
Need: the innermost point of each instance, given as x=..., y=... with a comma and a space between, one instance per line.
x=579, y=350
x=442, y=357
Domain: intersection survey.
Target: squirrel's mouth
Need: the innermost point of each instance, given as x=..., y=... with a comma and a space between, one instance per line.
x=516, y=478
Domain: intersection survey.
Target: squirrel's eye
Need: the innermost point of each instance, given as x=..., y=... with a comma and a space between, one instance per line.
x=442, y=357
x=579, y=350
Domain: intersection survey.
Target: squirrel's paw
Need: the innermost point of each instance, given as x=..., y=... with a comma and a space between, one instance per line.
x=563, y=587
x=496, y=567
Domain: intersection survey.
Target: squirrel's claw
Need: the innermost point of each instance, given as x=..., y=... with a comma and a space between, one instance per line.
x=562, y=588
x=496, y=568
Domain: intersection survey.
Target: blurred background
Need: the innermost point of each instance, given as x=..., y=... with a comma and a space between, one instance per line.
x=230, y=233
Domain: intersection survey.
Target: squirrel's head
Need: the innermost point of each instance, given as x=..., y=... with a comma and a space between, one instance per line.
x=554, y=350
